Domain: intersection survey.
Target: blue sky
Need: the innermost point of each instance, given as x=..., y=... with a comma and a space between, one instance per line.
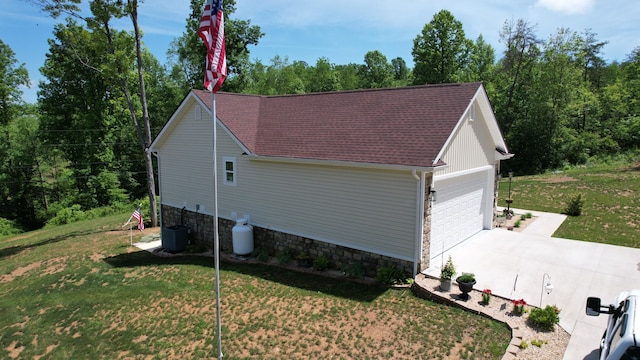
x=343, y=31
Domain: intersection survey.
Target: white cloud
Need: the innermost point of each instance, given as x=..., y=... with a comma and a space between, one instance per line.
x=567, y=6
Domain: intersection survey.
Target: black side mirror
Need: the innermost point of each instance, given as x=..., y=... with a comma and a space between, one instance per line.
x=593, y=306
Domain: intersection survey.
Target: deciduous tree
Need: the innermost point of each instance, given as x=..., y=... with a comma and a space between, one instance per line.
x=440, y=51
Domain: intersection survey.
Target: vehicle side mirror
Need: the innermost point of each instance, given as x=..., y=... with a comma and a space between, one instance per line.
x=593, y=306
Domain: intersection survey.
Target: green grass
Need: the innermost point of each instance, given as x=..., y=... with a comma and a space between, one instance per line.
x=80, y=292
x=611, y=193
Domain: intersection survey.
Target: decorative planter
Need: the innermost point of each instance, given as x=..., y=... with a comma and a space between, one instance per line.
x=465, y=288
x=445, y=285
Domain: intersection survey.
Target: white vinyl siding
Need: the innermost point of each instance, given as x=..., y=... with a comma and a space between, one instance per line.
x=372, y=210
x=186, y=162
x=471, y=146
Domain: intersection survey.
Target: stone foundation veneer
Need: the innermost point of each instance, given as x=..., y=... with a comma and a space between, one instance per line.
x=201, y=232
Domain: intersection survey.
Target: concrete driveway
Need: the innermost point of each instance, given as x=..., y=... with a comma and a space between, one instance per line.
x=513, y=265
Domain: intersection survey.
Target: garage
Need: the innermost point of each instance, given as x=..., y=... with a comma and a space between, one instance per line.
x=461, y=210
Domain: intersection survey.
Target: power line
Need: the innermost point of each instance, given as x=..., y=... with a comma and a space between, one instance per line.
x=29, y=166
x=65, y=178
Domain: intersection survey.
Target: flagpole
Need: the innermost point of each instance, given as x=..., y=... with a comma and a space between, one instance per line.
x=216, y=241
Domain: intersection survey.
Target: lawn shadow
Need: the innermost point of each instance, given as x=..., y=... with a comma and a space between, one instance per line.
x=311, y=281
x=13, y=250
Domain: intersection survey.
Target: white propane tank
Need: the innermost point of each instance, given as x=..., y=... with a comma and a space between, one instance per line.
x=242, y=237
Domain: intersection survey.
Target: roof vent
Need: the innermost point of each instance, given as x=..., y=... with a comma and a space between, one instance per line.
x=472, y=112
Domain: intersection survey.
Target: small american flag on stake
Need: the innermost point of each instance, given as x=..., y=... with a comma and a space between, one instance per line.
x=138, y=216
x=211, y=31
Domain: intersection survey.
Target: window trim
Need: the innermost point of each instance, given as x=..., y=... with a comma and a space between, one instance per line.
x=225, y=172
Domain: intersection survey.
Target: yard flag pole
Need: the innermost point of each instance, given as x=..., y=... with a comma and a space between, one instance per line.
x=211, y=31
x=216, y=242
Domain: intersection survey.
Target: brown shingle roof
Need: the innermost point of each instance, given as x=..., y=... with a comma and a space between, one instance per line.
x=400, y=126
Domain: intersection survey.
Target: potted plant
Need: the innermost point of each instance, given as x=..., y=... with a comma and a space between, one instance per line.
x=465, y=284
x=446, y=274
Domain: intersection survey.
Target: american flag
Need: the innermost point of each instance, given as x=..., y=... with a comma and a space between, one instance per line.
x=211, y=31
x=138, y=216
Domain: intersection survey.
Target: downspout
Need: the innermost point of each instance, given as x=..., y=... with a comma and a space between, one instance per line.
x=419, y=219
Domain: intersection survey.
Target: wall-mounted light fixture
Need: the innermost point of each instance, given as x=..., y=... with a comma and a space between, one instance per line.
x=433, y=194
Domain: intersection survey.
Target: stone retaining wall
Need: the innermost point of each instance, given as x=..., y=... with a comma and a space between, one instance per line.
x=201, y=232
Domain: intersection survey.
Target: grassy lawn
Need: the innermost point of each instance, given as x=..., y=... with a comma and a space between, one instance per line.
x=80, y=292
x=611, y=193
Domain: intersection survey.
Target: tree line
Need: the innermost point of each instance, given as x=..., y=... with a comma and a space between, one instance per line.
x=105, y=97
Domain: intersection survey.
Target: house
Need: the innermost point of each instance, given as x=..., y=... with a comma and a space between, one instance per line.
x=375, y=177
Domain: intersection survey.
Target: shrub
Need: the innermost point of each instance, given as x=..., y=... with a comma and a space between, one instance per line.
x=538, y=343
x=354, y=270
x=321, y=263
x=545, y=318
x=486, y=296
x=519, y=306
x=285, y=257
x=390, y=275
x=262, y=254
x=517, y=224
x=574, y=206
x=8, y=227
x=67, y=216
x=524, y=344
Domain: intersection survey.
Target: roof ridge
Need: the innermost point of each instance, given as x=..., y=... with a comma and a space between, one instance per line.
x=399, y=88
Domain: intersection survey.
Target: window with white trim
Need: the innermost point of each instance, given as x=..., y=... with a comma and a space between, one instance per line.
x=229, y=170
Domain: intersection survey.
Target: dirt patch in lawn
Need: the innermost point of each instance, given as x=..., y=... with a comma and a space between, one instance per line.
x=55, y=266
x=52, y=266
x=558, y=179
x=20, y=272
x=14, y=349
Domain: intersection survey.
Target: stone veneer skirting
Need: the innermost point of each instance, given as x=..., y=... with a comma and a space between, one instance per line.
x=201, y=232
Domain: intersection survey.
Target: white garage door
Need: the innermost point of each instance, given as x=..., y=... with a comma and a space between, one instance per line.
x=459, y=210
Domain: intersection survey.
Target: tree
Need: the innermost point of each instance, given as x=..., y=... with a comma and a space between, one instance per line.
x=515, y=71
x=622, y=104
x=376, y=72
x=322, y=77
x=400, y=69
x=481, y=62
x=25, y=172
x=348, y=76
x=82, y=110
x=11, y=78
x=116, y=66
x=592, y=62
x=440, y=51
x=189, y=51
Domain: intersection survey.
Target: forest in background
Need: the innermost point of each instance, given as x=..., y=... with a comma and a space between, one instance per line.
x=79, y=151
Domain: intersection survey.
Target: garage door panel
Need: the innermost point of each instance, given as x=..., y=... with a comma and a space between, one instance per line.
x=459, y=210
